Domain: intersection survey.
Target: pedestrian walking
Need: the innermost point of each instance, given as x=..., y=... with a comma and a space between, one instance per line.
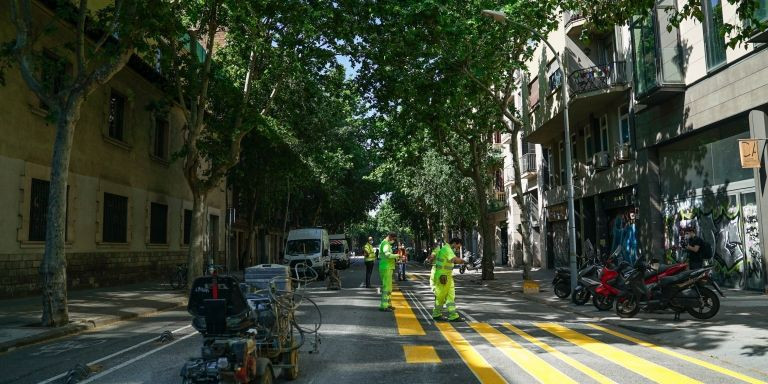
x=445, y=291
x=402, y=260
x=386, y=270
x=369, y=258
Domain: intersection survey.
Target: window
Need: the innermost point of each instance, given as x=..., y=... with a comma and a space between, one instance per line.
x=604, y=133
x=561, y=155
x=116, y=116
x=158, y=224
x=713, y=37
x=761, y=13
x=38, y=210
x=115, y=221
x=555, y=80
x=574, y=145
x=160, y=139
x=187, y=226
x=658, y=53
x=625, y=136
x=497, y=137
x=589, y=145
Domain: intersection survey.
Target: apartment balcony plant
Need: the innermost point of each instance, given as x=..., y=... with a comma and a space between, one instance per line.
x=497, y=201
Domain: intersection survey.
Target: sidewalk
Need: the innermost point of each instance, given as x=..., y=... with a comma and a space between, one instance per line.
x=738, y=333
x=20, y=318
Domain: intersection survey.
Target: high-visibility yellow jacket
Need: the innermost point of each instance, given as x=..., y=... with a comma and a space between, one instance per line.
x=370, y=255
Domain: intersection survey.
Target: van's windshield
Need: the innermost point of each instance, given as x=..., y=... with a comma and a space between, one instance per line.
x=337, y=247
x=302, y=247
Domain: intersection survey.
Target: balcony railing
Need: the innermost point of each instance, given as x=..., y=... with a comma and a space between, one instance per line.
x=528, y=163
x=598, y=77
x=571, y=17
x=497, y=201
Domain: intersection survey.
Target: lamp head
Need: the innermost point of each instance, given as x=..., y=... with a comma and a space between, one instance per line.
x=495, y=15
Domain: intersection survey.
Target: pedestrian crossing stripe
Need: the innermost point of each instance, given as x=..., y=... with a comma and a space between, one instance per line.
x=639, y=365
x=415, y=354
x=689, y=359
x=407, y=323
x=476, y=362
x=525, y=359
x=599, y=377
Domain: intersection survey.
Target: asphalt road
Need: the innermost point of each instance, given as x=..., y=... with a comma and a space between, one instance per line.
x=508, y=339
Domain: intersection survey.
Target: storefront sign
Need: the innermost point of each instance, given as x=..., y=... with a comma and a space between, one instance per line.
x=557, y=212
x=618, y=199
x=748, y=153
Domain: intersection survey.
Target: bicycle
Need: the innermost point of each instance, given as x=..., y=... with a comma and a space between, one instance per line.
x=178, y=277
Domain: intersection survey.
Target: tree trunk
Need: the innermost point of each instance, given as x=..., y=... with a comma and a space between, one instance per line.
x=525, y=212
x=485, y=229
x=53, y=269
x=196, y=258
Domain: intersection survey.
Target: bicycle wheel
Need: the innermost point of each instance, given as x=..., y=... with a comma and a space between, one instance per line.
x=178, y=279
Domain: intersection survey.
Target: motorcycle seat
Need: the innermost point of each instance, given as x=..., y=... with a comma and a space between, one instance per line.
x=562, y=270
x=661, y=269
x=666, y=280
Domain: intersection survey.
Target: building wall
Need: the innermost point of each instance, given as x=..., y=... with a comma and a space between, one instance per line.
x=98, y=164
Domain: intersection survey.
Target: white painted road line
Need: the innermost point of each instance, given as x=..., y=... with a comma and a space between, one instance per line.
x=137, y=358
x=52, y=379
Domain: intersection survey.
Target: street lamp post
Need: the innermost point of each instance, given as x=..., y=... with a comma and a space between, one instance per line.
x=502, y=17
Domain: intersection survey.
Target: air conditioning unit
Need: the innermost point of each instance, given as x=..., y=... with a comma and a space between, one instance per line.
x=623, y=153
x=601, y=161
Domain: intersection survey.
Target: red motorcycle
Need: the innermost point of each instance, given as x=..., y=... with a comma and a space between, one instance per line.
x=608, y=289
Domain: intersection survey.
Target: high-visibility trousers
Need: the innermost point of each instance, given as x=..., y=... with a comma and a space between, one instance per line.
x=386, y=287
x=445, y=296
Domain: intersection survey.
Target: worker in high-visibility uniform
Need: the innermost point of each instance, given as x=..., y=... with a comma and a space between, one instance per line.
x=445, y=292
x=370, y=258
x=387, y=260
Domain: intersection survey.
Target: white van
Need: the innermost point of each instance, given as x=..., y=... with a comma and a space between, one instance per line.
x=310, y=246
x=340, y=250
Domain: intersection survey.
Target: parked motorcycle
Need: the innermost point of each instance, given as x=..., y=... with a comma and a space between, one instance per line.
x=682, y=292
x=472, y=262
x=613, y=280
x=561, y=284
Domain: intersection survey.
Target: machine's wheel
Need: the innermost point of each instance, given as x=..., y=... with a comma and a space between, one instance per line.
x=462, y=269
x=580, y=295
x=291, y=358
x=562, y=290
x=263, y=371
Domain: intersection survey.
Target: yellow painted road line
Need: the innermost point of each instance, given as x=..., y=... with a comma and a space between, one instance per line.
x=479, y=366
x=407, y=323
x=525, y=359
x=599, y=377
x=639, y=365
x=689, y=359
x=416, y=354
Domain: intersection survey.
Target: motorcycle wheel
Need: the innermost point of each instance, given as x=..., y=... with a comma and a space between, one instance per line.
x=580, y=296
x=562, y=290
x=462, y=269
x=629, y=307
x=602, y=303
x=709, y=307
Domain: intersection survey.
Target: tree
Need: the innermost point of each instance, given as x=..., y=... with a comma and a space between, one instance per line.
x=90, y=43
x=420, y=66
x=226, y=89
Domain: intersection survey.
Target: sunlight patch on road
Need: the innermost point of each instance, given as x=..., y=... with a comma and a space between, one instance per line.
x=689, y=359
x=525, y=359
x=627, y=360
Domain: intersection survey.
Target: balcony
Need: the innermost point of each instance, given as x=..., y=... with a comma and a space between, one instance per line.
x=528, y=166
x=597, y=78
x=574, y=23
x=509, y=176
x=591, y=89
x=497, y=201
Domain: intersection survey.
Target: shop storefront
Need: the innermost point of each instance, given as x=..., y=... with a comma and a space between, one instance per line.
x=703, y=187
x=620, y=231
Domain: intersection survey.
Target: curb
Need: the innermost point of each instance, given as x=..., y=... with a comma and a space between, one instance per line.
x=83, y=325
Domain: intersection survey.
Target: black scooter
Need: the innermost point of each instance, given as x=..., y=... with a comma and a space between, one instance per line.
x=684, y=292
